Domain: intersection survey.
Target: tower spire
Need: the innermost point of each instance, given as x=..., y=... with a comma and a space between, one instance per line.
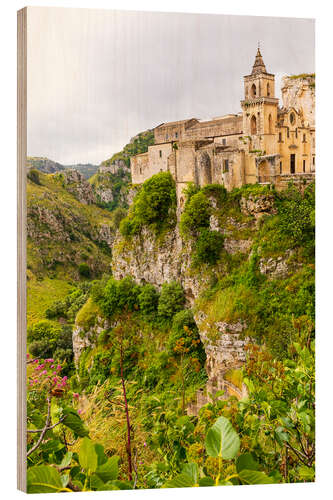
x=259, y=65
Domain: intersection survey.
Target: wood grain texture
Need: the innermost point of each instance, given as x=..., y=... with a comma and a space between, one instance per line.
x=21, y=246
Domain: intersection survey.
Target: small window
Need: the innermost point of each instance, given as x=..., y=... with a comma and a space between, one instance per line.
x=304, y=138
x=166, y=137
x=160, y=154
x=292, y=118
x=176, y=134
x=226, y=166
x=288, y=133
x=280, y=137
x=296, y=133
x=313, y=161
x=268, y=90
x=253, y=91
x=280, y=167
x=292, y=163
x=303, y=165
x=224, y=142
x=140, y=170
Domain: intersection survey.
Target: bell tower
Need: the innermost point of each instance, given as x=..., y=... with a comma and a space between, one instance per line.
x=259, y=105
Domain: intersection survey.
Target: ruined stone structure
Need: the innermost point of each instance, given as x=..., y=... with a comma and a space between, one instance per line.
x=264, y=143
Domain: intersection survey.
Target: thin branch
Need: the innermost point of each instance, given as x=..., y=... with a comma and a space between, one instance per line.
x=30, y=431
x=40, y=439
x=135, y=468
x=303, y=458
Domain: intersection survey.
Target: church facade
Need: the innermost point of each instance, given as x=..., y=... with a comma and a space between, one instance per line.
x=264, y=143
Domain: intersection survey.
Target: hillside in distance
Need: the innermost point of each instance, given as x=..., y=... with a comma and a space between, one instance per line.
x=48, y=166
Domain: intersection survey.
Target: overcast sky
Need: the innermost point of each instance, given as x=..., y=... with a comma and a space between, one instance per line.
x=98, y=77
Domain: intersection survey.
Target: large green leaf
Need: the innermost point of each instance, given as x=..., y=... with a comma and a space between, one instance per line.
x=43, y=479
x=118, y=485
x=73, y=421
x=206, y=481
x=67, y=459
x=180, y=481
x=109, y=470
x=246, y=461
x=192, y=471
x=87, y=455
x=254, y=477
x=222, y=440
x=102, y=458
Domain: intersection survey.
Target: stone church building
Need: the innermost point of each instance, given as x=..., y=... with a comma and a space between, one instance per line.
x=264, y=143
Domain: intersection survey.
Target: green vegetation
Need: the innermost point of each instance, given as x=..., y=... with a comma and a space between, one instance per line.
x=208, y=247
x=139, y=144
x=154, y=206
x=33, y=176
x=62, y=232
x=117, y=184
x=171, y=301
x=118, y=419
x=302, y=76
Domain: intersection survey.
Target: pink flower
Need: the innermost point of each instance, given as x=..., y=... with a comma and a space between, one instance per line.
x=55, y=380
x=35, y=361
x=55, y=373
x=52, y=366
x=75, y=395
x=28, y=356
x=64, y=378
x=59, y=367
x=145, y=444
x=79, y=412
x=50, y=360
x=44, y=372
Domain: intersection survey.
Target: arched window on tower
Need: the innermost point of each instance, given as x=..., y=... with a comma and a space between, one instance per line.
x=253, y=91
x=268, y=90
x=253, y=125
x=270, y=124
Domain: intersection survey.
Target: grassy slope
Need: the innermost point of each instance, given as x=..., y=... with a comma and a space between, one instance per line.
x=54, y=256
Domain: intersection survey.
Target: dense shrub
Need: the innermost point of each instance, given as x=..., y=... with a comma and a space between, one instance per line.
x=70, y=305
x=41, y=348
x=218, y=191
x=33, y=176
x=153, y=206
x=196, y=215
x=84, y=270
x=117, y=296
x=185, y=331
x=296, y=214
x=171, y=300
x=148, y=299
x=43, y=329
x=118, y=215
x=208, y=247
x=48, y=340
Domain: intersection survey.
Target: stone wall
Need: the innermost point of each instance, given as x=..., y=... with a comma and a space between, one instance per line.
x=299, y=93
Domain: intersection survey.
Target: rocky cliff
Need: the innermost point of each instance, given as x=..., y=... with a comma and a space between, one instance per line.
x=159, y=260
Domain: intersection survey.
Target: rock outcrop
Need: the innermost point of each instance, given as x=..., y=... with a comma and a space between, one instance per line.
x=75, y=183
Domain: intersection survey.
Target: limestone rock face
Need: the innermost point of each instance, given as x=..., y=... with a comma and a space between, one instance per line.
x=224, y=345
x=105, y=194
x=76, y=184
x=299, y=93
x=83, y=338
x=149, y=261
x=114, y=168
x=258, y=205
x=278, y=267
